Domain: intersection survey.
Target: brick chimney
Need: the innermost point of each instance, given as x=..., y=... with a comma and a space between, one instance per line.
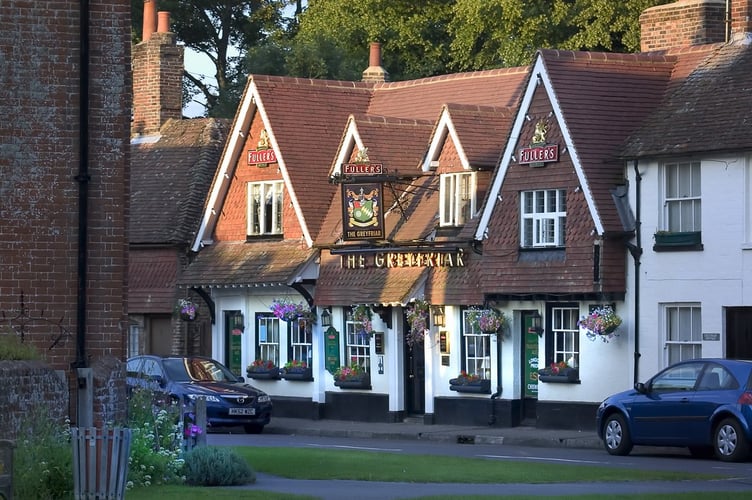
x=375, y=71
x=741, y=19
x=684, y=23
x=157, y=74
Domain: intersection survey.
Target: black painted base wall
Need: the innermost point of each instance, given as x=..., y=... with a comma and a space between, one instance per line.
x=289, y=407
x=476, y=411
x=358, y=406
x=565, y=415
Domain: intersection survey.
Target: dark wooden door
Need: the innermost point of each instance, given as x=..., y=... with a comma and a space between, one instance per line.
x=415, y=379
x=739, y=332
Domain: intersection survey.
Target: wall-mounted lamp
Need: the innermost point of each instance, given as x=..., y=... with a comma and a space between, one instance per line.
x=438, y=316
x=536, y=321
x=326, y=318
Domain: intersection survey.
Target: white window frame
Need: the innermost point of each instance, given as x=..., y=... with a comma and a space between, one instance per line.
x=268, y=220
x=476, y=349
x=301, y=341
x=682, y=329
x=682, y=196
x=543, y=214
x=357, y=344
x=268, y=345
x=458, y=198
x=566, y=335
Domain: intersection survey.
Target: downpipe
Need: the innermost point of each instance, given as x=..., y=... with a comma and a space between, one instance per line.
x=497, y=394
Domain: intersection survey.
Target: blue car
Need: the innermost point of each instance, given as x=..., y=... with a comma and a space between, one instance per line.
x=702, y=404
x=229, y=400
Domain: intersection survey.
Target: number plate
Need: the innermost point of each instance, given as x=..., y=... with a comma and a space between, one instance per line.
x=242, y=411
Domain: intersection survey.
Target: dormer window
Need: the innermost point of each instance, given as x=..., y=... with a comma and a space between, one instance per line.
x=544, y=216
x=457, y=203
x=265, y=208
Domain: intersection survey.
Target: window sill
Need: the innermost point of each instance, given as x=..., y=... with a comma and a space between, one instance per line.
x=557, y=379
x=269, y=236
x=681, y=241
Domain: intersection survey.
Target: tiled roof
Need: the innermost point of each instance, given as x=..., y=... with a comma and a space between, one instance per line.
x=307, y=117
x=151, y=280
x=370, y=285
x=246, y=264
x=170, y=179
x=708, y=109
x=482, y=131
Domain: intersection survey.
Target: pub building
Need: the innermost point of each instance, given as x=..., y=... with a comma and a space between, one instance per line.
x=444, y=238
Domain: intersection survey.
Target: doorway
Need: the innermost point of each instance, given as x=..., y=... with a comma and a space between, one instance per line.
x=529, y=378
x=415, y=377
x=739, y=332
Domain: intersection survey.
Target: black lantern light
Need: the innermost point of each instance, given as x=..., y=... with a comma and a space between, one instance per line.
x=438, y=316
x=536, y=323
x=326, y=318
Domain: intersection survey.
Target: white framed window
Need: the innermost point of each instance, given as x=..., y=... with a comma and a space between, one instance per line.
x=476, y=349
x=682, y=197
x=267, y=338
x=301, y=341
x=134, y=339
x=566, y=335
x=357, y=345
x=457, y=201
x=544, y=216
x=265, y=208
x=683, y=329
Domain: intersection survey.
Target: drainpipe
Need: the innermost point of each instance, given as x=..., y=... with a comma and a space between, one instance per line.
x=495, y=395
x=83, y=182
x=636, y=251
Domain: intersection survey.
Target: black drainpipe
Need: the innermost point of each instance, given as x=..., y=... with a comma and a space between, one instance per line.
x=636, y=251
x=83, y=183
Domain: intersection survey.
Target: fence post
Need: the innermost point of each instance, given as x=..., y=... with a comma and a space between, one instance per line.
x=6, y=469
x=100, y=462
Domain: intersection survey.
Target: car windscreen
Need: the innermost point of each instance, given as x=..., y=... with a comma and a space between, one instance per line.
x=197, y=370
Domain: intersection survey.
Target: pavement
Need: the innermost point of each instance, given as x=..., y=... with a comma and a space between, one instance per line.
x=416, y=429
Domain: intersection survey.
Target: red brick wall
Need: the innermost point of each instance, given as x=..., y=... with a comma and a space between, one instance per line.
x=40, y=156
x=683, y=23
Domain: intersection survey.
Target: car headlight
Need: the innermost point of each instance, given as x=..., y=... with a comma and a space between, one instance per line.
x=208, y=397
x=264, y=398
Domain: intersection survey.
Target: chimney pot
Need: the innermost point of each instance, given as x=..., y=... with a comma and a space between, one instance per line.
x=374, y=58
x=150, y=19
x=164, y=22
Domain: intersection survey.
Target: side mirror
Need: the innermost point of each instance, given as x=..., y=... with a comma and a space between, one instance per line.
x=241, y=379
x=640, y=387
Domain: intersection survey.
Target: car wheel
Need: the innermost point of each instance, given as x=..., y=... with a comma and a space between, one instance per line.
x=701, y=451
x=616, y=436
x=729, y=442
x=254, y=428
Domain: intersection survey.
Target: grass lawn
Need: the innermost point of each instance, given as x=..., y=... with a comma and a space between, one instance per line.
x=305, y=463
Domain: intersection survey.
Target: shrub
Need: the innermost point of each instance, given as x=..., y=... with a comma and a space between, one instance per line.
x=156, y=442
x=43, y=459
x=12, y=349
x=212, y=466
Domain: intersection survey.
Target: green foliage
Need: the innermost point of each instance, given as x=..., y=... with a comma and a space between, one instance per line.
x=211, y=466
x=43, y=459
x=12, y=349
x=156, y=441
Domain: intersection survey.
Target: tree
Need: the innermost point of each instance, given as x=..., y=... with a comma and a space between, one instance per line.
x=218, y=28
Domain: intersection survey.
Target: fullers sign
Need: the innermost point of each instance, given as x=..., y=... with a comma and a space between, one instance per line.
x=362, y=169
x=261, y=156
x=539, y=154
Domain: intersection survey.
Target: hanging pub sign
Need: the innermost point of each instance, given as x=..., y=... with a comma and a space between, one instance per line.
x=539, y=153
x=362, y=216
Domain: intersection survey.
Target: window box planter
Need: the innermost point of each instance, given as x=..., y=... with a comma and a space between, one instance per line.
x=678, y=239
x=564, y=376
x=363, y=382
x=302, y=374
x=264, y=374
x=477, y=387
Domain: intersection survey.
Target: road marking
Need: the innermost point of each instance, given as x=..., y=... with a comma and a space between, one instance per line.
x=543, y=459
x=352, y=447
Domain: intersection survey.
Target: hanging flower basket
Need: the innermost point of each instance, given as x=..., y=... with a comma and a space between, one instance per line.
x=601, y=323
x=361, y=316
x=487, y=320
x=262, y=369
x=559, y=373
x=288, y=311
x=187, y=310
x=417, y=317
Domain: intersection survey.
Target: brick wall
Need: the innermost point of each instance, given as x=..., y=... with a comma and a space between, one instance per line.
x=683, y=23
x=41, y=147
